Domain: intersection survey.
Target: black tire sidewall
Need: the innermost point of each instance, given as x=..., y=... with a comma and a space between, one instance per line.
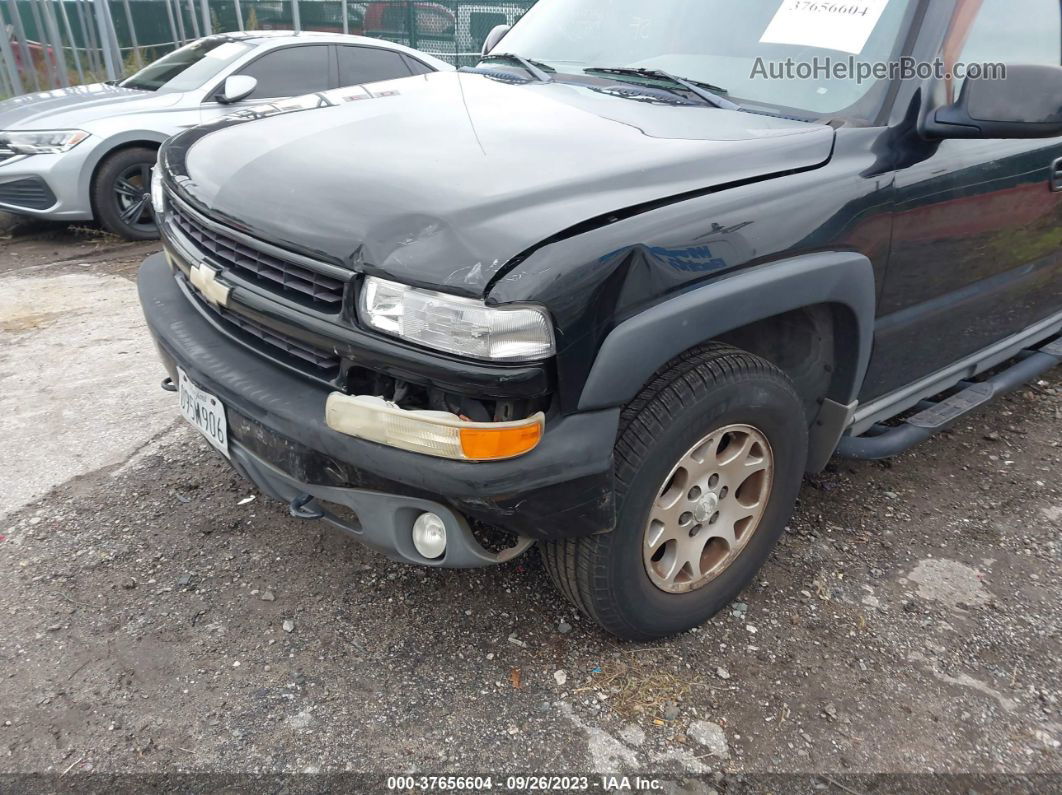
x=764, y=402
x=104, y=201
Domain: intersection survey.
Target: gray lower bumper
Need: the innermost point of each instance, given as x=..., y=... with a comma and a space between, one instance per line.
x=381, y=521
x=53, y=187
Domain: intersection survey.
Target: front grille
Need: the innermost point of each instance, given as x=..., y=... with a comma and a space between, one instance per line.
x=326, y=362
x=31, y=193
x=284, y=277
x=303, y=355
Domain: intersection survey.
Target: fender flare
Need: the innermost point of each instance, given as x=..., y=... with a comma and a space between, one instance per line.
x=641, y=345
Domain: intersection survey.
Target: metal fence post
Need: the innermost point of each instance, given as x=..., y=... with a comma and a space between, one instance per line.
x=23, y=48
x=295, y=22
x=180, y=19
x=195, y=19
x=411, y=14
x=49, y=60
x=132, y=33
x=8, y=56
x=73, y=42
x=204, y=6
x=103, y=13
x=239, y=16
x=173, y=24
x=6, y=90
x=91, y=54
x=119, y=61
x=57, y=43
x=346, y=21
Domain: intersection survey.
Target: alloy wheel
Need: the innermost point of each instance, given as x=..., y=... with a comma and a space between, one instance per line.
x=132, y=191
x=708, y=508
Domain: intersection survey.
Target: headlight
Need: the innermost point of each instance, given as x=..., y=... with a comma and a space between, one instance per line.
x=42, y=142
x=462, y=326
x=158, y=194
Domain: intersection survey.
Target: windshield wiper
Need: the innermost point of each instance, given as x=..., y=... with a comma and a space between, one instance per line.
x=535, y=69
x=704, y=91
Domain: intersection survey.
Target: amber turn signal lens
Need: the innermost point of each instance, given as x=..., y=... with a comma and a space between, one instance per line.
x=489, y=444
x=434, y=433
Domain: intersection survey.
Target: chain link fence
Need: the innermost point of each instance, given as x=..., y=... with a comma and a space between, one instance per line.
x=46, y=44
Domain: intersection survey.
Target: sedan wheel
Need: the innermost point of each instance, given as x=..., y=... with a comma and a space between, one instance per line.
x=121, y=194
x=132, y=192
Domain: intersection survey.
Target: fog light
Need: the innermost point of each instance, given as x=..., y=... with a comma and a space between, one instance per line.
x=429, y=536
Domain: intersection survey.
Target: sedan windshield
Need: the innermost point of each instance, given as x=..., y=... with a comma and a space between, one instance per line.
x=729, y=43
x=189, y=67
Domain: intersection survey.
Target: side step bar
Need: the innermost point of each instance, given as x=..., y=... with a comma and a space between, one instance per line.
x=884, y=442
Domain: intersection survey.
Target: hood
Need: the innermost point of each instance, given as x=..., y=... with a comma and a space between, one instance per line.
x=74, y=108
x=440, y=181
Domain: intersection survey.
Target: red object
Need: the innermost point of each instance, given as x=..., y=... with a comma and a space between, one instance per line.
x=38, y=52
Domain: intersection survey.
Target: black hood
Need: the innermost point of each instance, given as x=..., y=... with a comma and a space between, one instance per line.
x=442, y=180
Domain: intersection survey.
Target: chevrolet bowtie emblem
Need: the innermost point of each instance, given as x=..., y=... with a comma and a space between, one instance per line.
x=205, y=279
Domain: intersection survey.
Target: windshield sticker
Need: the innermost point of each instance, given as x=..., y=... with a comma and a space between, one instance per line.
x=829, y=26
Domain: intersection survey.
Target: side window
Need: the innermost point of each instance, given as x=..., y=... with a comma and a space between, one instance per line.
x=417, y=67
x=290, y=72
x=367, y=64
x=1017, y=32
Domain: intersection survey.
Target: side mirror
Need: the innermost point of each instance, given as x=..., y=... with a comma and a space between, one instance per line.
x=236, y=88
x=1026, y=104
x=496, y=34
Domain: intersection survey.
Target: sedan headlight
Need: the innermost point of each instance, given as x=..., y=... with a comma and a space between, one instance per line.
x=462, y=326
x=41, y=142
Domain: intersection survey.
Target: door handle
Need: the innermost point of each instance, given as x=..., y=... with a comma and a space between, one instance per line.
x=1056, y=176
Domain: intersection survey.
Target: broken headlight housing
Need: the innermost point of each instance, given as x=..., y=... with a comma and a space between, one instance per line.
x=158, y=191
x=461, y=326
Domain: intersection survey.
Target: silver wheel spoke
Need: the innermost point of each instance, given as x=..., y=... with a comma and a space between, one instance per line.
x=670, y=516
x=737, y=467
x=723, y=529
x=691, y=554
x=660, y=533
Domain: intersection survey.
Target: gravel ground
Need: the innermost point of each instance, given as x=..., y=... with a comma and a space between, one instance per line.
x=160, y=616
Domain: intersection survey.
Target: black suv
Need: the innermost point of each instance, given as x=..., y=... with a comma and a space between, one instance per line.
x=616, y=289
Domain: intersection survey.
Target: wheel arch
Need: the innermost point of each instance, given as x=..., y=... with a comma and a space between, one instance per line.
x=828, y=293
x=113, y=145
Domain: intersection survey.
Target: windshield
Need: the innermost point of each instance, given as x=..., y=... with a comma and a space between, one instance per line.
x=189, y=67
x=727, y=43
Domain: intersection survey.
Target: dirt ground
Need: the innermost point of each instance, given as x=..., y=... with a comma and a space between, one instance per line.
x=159, y=616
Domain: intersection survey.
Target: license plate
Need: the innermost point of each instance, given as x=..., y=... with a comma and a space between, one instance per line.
x=205, y=412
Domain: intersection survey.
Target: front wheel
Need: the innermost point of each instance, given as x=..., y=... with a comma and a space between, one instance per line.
x=121, y=194
x=709, y=460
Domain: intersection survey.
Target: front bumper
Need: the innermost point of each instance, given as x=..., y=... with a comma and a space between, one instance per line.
x=381, y=521
x=52, y=187
x=563, y=488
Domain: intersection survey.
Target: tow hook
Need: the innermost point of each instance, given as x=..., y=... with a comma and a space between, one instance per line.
x=297, y=508
x=168, y=385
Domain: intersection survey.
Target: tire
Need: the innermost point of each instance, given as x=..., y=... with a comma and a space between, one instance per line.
x=727, y=399
x=119, y=187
